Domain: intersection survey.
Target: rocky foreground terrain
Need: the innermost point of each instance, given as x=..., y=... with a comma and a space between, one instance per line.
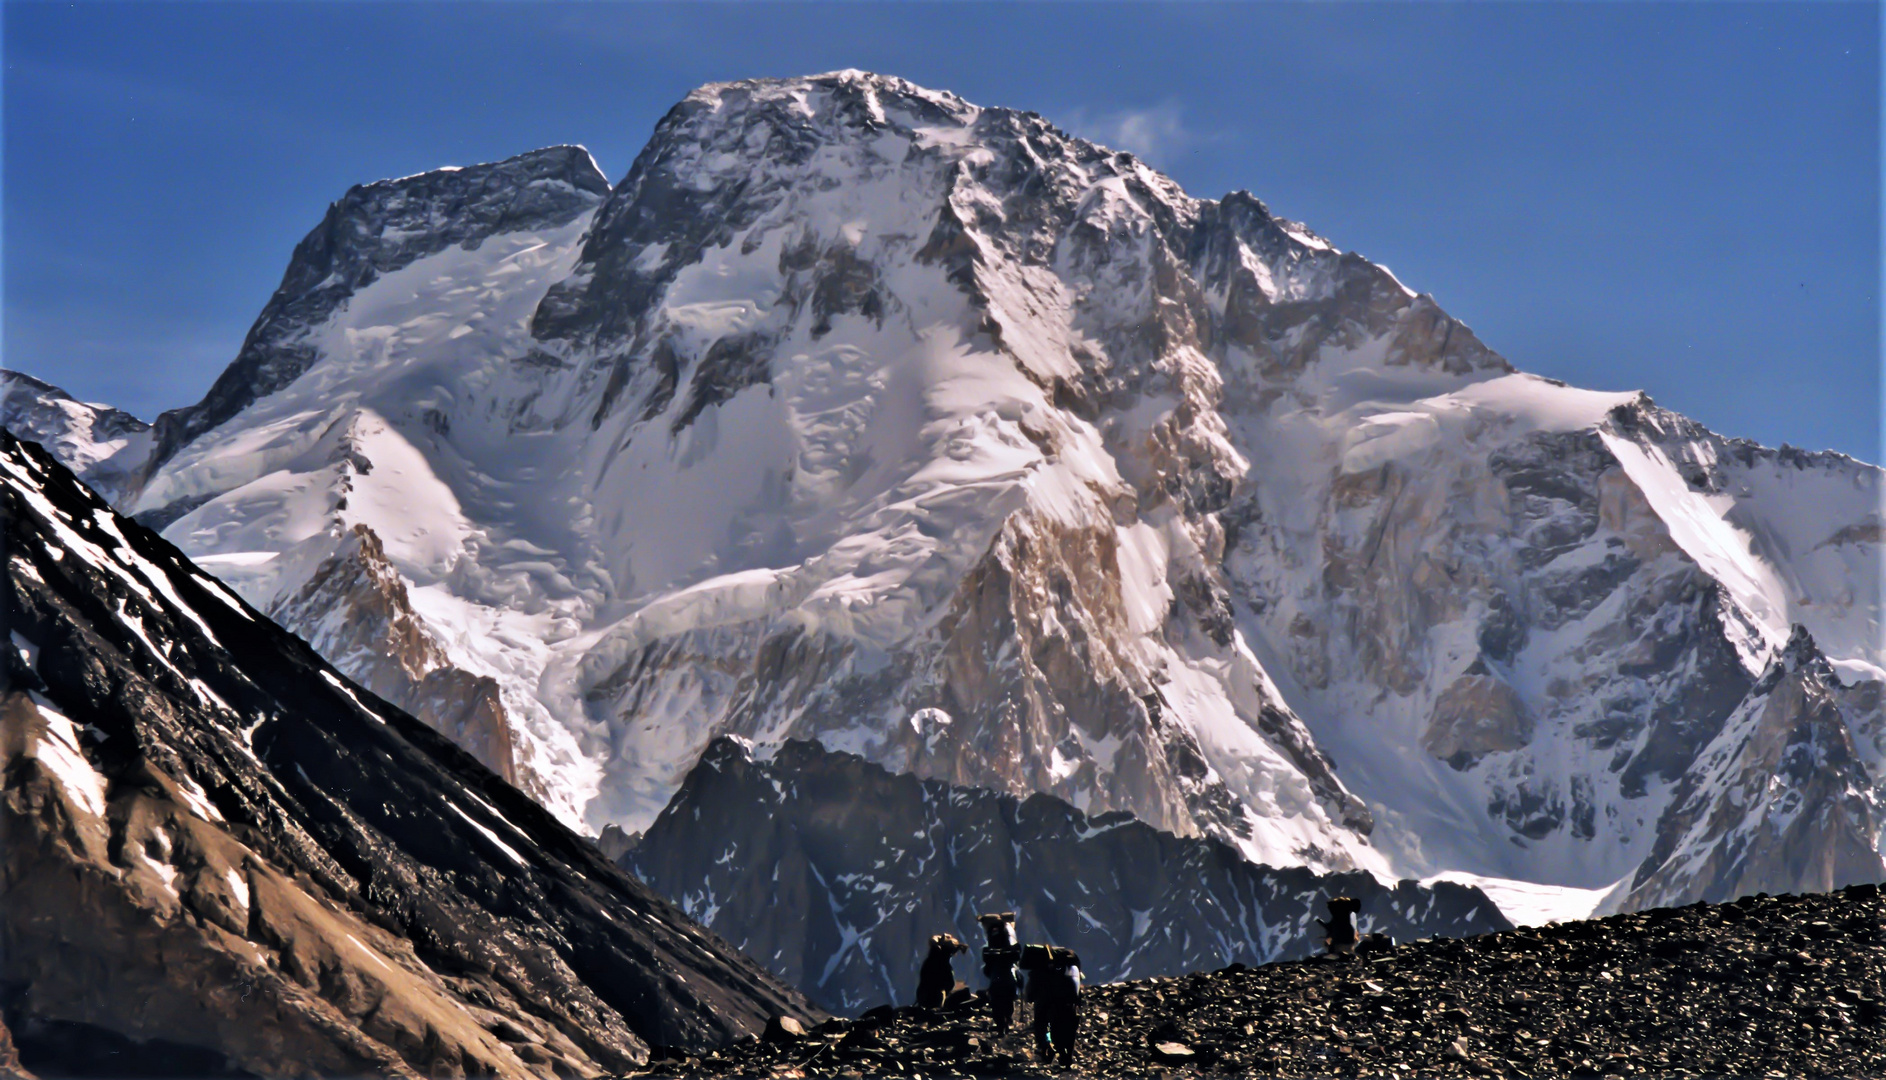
x=1762, y=986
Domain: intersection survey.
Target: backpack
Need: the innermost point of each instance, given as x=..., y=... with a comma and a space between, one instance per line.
x=1035, y=957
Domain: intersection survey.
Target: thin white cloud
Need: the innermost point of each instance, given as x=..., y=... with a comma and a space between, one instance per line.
x=1154, y=134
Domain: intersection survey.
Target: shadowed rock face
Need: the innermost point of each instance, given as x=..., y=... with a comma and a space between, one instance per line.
x=1780, y=798
x=210, y=838
x=835, y=873
x=1476, y=715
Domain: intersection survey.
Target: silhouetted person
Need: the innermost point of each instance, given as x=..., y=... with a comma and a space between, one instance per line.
x=936, y=978
x=1339, y=929
x=1054, y=987
x=999, y=960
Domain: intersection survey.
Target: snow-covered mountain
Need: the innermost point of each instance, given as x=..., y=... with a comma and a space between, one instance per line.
x=105, y=446
x=860, y=413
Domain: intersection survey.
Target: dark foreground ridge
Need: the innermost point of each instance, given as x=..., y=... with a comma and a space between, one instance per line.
x=1761, y=986
x=219, y=857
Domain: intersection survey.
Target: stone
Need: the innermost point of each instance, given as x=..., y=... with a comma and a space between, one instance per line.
x=1174, y=1053
x=1471, y=1006
x=786, y=1029
x=1478, y=714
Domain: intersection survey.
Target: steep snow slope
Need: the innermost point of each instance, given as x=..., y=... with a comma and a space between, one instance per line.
x=1550, y=601
x=860, y=413
x=374, y=230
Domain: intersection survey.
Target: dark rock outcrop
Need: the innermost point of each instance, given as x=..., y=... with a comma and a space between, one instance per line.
x=216, y=850
x=1780, y=797
x=835, y=873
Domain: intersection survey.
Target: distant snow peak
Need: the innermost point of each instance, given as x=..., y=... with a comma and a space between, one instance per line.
x=102, y=444
x=373, y=230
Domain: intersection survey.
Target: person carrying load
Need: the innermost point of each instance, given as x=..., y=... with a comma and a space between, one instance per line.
x=1000, y=958
x=1054, y=988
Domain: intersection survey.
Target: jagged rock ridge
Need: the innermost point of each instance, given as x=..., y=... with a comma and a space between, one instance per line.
x=373, y=230
x=215, y=847
x=354, y=609
x=1781, y=794
x=835, y=873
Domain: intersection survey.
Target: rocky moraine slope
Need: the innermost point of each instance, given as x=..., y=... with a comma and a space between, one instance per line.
x=219, y=855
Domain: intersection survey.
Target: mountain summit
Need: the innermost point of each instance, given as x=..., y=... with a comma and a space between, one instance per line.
x=861, y=414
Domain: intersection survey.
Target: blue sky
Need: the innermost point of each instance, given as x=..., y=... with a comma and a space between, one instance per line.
x=1682, y=198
